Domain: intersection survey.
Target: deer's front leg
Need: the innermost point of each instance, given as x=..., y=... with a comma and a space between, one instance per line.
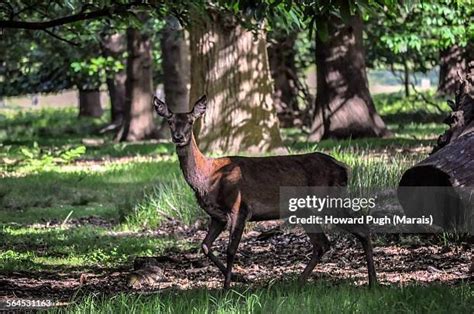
x=215, y=229
x=236, y=231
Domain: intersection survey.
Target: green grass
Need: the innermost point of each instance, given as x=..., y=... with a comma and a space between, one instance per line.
x=31, y=248
x=412, y=109
x=319, y=297
x=112, y=189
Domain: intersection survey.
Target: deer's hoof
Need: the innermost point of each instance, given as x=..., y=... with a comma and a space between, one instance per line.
x=205, y=249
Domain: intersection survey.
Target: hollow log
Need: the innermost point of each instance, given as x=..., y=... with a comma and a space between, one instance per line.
x=443, y=184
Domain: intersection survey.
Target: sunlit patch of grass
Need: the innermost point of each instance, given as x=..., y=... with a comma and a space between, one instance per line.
x=172, y=199
x=29, y=248
x=53, y=125
x=418, y=130
x=56, y=193
x=57, y=214
x=318, y=297
x=397, y=103
x=369, y=168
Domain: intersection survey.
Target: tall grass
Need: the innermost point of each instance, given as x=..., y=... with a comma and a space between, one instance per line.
x=170, y=199
x=320, y=297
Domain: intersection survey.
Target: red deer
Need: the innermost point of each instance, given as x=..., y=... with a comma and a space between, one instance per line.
x=233, y=190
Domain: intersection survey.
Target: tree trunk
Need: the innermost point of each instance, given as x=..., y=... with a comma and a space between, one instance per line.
x=138, y=123
x=89, y=104
x=281, y=56
x=406, y=78
x=230, y=66
x=176, y=65
x=449, y=170
x=344, y=107
x=116, y=86
x=114, y=46
x=451, y=63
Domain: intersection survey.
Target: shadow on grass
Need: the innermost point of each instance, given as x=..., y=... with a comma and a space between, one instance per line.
x=80, y=248
x=130, y=149
x=420, y=116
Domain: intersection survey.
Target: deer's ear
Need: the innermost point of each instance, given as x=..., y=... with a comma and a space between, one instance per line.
x=161, y=108
x=200, y=107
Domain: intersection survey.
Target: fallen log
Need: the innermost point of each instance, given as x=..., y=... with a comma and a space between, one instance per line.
x=442, y=184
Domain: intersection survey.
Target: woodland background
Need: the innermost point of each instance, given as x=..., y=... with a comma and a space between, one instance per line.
x=90, y=185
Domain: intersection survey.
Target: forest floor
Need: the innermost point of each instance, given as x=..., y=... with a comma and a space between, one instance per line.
x=98, y=226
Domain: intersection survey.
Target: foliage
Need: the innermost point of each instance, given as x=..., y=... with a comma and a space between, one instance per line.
x=35, y=159
x=416, y=32
x=45, y=61
x=42, y=63
x=94, y=70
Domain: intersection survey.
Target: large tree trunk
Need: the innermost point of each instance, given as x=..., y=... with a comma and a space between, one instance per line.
x=114, y=46
x=344, y=107
x=176, y=65
x=449, y=170
x=451, y=63
x=230, y=66
x=138, y=124
x=89, y=103
x=281, y=56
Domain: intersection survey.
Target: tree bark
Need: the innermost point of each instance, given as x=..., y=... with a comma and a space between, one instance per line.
x=281, y=56
x=231, y=67
x=344, y=107
x=114, y=46
x=176, y=65
x=406, y=77
x=451, y=63
x=138, y=123
x=89, y=104
x=450, y=165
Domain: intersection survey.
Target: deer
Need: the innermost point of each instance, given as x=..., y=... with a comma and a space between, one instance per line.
x=233, y=190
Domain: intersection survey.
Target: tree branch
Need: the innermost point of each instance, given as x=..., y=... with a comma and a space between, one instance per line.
x=60, y=38
x=426, y=100
x=81, y=16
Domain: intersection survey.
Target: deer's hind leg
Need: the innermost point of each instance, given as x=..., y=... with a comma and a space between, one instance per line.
x=366, y=242
x=320, y=244
x=362, y=233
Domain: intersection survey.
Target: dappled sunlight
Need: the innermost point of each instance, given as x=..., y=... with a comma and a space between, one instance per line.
x=63, y=248
x=236, y=73
x=147, y=149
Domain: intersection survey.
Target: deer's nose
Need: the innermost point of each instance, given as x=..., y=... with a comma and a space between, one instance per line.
x=178, y=137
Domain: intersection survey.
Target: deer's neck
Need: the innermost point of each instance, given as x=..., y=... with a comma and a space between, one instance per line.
x=195, y=166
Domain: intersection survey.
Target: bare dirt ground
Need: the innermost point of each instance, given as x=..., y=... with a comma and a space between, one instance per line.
x=263, y=256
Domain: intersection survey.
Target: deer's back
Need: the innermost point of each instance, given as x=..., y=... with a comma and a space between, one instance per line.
x=255, y=181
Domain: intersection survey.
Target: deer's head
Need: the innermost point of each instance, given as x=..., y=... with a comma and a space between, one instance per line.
x=181, y=124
